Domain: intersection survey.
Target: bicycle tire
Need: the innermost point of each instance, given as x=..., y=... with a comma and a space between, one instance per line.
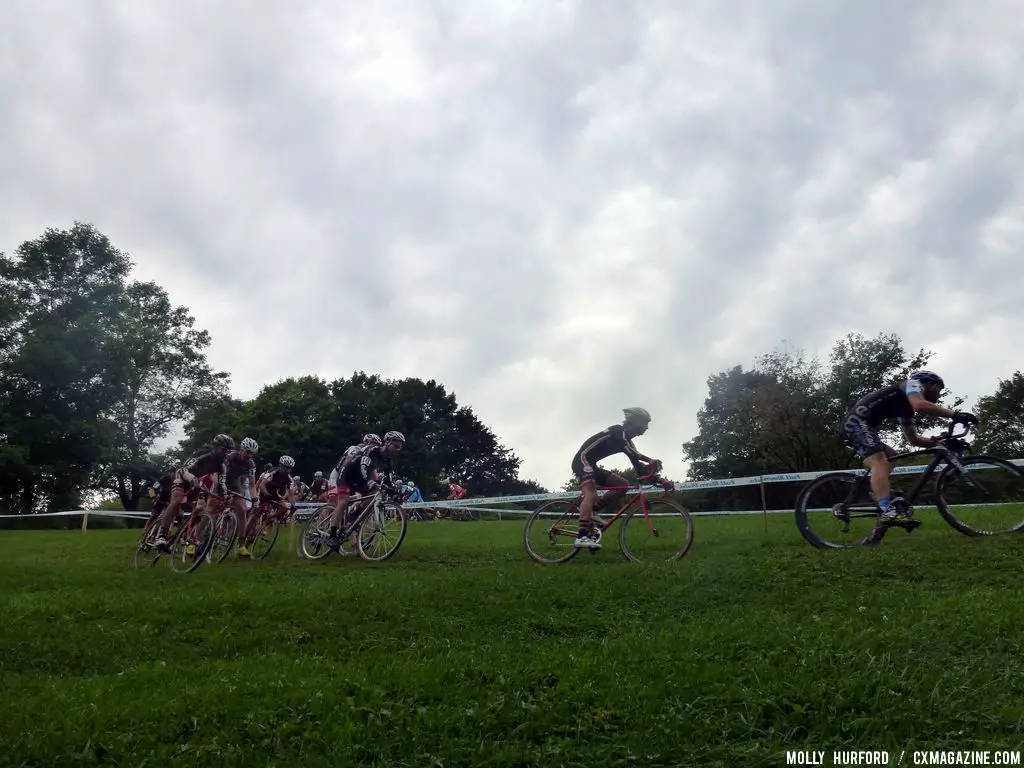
x=366, y=535
x=266, y=533
x=658, y=506
x=199, y=534
x=950, y=472
x=224, y=536
x=313, y=538
x=145, y=552
x=846, y=479
x=565, y=527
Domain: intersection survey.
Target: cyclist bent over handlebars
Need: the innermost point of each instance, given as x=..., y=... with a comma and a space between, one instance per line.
x=898, y=401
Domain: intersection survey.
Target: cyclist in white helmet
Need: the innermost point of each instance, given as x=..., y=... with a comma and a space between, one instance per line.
x=240, y=478
x=617, y=438
x=362, y=475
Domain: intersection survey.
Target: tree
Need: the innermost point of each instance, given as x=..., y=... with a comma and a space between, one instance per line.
x=61, y=296
x=1001, y=431
x=163, y=376
x=786, y=414
x=314, y=422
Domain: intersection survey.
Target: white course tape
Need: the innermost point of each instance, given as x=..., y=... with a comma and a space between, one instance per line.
x=478, y=504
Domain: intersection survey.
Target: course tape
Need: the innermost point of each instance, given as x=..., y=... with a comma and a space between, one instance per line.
x=693, y=485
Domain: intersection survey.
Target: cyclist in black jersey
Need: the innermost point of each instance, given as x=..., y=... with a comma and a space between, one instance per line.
x=615, y=439
x=897, y=402
x=362, y=474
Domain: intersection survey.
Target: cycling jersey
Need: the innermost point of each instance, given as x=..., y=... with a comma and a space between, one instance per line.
x=892, y=402
x=277, y=482
x=238, y=470
x=605, y=443
x=860, y=427
x=318, y=486
x=456, y=491
x=206, y=463
x=414, y=496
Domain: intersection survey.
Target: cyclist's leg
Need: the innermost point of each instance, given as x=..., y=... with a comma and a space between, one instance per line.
x=875, y=455
x=179, y=488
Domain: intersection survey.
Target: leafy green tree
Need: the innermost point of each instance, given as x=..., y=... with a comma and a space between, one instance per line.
x=165, y=376
x=1001, y=431
x=61, y=296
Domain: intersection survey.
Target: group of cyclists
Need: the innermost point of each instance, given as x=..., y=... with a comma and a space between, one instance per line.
x=222, y=470
x=362, y=468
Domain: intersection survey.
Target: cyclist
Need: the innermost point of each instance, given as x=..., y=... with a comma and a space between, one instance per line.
x=240, y=477
x=899, y=401
x=318, y=488
x=199, y=472
x=362, y=474
x=455, y=491
x=414, y=495
x=299, y=489
x=274, y=486
x=160, y=493
x=352, y=452
x=617, y=438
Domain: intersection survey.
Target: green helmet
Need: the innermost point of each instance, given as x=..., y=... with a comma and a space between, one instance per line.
x=637, y=415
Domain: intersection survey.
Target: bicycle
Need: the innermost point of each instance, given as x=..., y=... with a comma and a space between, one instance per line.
x=225, y=521
x=370, y=525
x=554, y=543
x=188, y=542
x=976, y=495
x=266, y=527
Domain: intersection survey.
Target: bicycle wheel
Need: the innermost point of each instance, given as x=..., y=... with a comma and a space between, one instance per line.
x=551, y=530
x=986, y=499
x=381, y=532
x=836, y=511
x=264, y=536
x=665, y=534
x=192, y=543
x=315, y=532
x=225, y=533
x=145, y=553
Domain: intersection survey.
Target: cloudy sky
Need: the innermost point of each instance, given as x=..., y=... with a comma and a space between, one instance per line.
x=557, y=209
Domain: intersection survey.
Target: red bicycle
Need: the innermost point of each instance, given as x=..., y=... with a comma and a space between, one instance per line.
x=188, y=542
x=654, y=527
x=266, y=527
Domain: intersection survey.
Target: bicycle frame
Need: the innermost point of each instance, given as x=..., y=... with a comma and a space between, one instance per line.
x=641, y=498
x=940, y=454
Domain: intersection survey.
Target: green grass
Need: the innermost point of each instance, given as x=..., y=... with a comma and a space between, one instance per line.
x=461, y=652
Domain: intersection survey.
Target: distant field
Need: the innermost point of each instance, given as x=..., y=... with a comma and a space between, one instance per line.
x=461, y=652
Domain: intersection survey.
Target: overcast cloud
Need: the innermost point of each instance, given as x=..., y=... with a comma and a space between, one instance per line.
x=499, y=195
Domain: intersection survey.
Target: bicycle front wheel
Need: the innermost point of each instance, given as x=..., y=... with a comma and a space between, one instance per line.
x=264, y=536
x=551, y=531
x=835, y=511
x=381, y=533
x=664, y=534
x=145, y=553
x=985, y=499
x=315, y=533
x=225, y=533
x=192, y=543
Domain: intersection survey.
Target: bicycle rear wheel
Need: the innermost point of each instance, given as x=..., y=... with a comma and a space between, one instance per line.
x=551, y=531
x=192, y=543
x=381, y=532
x=264, y=536
x=225, y=533
x=664, y=535
x=986, y=499
x=835, y=511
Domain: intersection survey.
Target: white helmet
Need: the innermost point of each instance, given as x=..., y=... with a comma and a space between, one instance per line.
x=394, y=435
x=250, y=445
x=318, y=474
x=411, y=483
x=371, y=439
x=287, y=461
x=296, y=478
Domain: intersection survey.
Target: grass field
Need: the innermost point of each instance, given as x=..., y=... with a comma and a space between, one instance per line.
x=461, y=652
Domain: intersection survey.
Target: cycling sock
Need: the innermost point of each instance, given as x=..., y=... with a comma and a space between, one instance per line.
x=884, y=503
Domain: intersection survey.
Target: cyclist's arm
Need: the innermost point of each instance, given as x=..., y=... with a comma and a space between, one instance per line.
x=914, y=437
x=919, y=404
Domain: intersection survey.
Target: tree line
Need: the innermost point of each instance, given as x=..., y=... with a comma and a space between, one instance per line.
x=96, y=369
